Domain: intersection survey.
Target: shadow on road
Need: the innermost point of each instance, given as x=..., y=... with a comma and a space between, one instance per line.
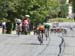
x=31, y=44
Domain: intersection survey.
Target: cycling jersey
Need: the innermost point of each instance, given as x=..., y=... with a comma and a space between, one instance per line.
x=47, y=26
x=41, y=28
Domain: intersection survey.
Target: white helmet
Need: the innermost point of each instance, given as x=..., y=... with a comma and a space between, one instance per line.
x=27, y=16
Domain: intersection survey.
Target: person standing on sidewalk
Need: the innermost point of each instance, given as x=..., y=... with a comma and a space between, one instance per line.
x=18, y=25
x=8, y=27
x=26, y=24
x=3, y=27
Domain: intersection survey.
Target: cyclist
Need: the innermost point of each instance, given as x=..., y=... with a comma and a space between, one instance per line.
x=40, y=30
x=25, y=24
x=3, y=27
x=18, y=25
x=47, y=27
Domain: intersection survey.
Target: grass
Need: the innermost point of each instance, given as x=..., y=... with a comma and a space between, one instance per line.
x=61, y=20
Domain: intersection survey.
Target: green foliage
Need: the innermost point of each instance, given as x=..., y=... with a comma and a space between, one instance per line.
x=63, y=8
x=73, y=4
x=37, y=9
x=61, y=20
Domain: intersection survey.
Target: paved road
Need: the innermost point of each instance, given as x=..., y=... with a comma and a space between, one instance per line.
x=28, y=45
x=69, y=43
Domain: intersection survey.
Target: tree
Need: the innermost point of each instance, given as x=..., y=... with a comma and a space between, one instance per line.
x=63, y=8
x=37, y=9
x=73, y=4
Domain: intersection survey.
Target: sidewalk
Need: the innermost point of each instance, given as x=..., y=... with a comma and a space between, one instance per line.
x=14, y=32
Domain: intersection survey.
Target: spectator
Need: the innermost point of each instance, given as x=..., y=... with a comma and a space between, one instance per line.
x=26, y=24
x=8, y=27
x=18, y=23
x=3, y=27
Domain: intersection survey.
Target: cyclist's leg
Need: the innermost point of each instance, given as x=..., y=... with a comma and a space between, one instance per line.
x=42, y=33
x=39, y=37
x=46, y=33
x=42, y=36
